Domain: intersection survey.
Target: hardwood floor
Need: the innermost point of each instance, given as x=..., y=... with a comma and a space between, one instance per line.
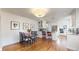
x=39, y=45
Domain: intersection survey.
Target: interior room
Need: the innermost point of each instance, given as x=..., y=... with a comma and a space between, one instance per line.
x=39, y=29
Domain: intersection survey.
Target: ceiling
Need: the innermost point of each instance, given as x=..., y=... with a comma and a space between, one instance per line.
x=53, y=13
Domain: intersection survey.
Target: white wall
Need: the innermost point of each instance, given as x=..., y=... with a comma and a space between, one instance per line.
x=77, y=17
x=0, y=31
x=73, y=40
x=73, y=14
x=12, y=36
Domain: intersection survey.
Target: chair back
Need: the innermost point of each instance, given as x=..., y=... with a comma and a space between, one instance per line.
x=34, y=33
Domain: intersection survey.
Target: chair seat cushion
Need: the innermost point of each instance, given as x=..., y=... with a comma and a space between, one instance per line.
x=26, y=39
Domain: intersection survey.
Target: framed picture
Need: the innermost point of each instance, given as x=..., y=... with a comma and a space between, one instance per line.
x=61, y=30
x=54, y=28
x=15, y=25
x=25, y=26
x=77, y=30
x=65, y=27
x=31, y=26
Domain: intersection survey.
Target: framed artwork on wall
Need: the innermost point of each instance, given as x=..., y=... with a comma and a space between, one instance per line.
x=31, y=26
x=65, y=27
x=61, y=30
x=54, y=28
x=15, y=25
x=25, y=26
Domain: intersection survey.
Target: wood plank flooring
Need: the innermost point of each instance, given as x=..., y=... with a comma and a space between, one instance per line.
x=40, y=45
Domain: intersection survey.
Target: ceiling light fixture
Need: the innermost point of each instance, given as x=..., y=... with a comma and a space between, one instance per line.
x=39, y=12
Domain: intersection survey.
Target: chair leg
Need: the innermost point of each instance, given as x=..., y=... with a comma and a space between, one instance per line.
x=34, y=40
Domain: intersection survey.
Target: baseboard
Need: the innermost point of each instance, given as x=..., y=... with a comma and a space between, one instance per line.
x=10, y=44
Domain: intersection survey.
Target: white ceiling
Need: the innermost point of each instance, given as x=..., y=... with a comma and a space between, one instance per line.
x=54, y=13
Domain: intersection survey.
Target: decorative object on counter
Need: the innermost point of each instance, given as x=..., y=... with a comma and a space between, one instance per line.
x=15, y=25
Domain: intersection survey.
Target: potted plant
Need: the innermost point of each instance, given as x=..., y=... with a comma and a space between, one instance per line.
x=29, y=30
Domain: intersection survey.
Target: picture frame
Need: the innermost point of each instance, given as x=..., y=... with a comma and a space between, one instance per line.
x=61, y=30
x=31, y=26
x=54, y=28
x=15, y=25
x=25, y=26
x=65, y=27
